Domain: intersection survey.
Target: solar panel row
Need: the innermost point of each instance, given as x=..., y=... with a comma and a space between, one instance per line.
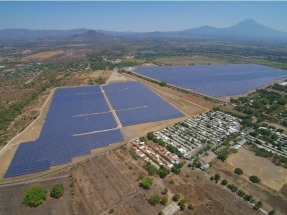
x=135, y=104
x=72, y=111
x=79, y=120
x=215, y=80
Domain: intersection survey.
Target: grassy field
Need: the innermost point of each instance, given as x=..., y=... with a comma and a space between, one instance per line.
x=186, y=60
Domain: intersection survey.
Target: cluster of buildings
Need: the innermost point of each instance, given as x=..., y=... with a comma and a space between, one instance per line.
x=278, y=146
x=193, y=134
x=158, y=155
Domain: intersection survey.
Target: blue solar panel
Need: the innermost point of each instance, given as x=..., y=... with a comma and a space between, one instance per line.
x=135, y=104
x=215, y=80
x=72, y=111
x=79, y=120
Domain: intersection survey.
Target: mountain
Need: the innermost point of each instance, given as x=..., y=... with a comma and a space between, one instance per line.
x=91, y=36
x=245, y=31
x=26, y=34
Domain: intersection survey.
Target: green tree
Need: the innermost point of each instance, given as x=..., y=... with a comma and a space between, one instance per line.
x=258, y=205
x=238, y=171
x=57, y=191
x=273, y=212
x=35, y=196
x=162, y=83
x=162, y=172
x=146, y=183
x=224, y=182
x=182, y=204
x=223, y=155
x=217, y=177
x=155, y=199
x=254, y=179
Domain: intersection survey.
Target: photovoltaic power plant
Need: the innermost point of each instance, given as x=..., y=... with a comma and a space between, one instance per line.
x=136, y=104
x=215, y=80
x=80, y=120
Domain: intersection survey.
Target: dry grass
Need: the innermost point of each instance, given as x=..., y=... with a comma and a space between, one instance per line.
x=271, y=175
x=185, y=60
x=41, y=55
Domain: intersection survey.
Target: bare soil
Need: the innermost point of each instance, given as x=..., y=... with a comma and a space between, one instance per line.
x=271, y=175
x=11, y=198
x=271, y=198
x=41, y=55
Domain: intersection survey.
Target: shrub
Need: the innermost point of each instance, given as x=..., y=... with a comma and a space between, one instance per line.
x=175, y=170
x=238, y=171
x=182, y=204
x=35, y=196
x=162, y=172
x=216, y=177
x=176, y=197
x=224, y=182
x=57, y=191
x=163, y=200
x=272, y=212
x=165, y=191
x=190, y=207
x=155, y=199
x=254, y=179
x=151, y=169
x=258, y=205
x=146, y=183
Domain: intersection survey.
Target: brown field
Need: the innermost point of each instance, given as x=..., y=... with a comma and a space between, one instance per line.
x=185, y=60
x=206, y=196
x=11, y=198
x=41, y=55
x=111, y=182
x=271, y=175
x=271, y=198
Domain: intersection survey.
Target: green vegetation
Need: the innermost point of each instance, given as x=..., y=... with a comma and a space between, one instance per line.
x=155, y=199
x=162, y=172
x=273, y=212
x=162, y=83
x=224, y=182
x=176, y=198
x=182, y=204
x=151, y=169
x=35, y=196
x=264, y=105
x=238, y=171
x=134, y=154
x=143, y=139
x=174, y=150
x=217, y=177
x=254, y=179
x=96, y=62
x=57, y=191
x=146, y=183
x=258, y=205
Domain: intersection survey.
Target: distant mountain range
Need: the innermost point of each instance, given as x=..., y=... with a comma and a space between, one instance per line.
x=245, y=31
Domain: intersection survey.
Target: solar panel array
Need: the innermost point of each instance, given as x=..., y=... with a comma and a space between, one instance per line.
x=215, y=80
x=135, y=104
x=73, y=113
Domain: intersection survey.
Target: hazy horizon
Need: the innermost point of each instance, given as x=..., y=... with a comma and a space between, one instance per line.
x=139, y=16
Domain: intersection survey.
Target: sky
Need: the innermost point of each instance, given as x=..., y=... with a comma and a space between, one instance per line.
x=139, y=16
